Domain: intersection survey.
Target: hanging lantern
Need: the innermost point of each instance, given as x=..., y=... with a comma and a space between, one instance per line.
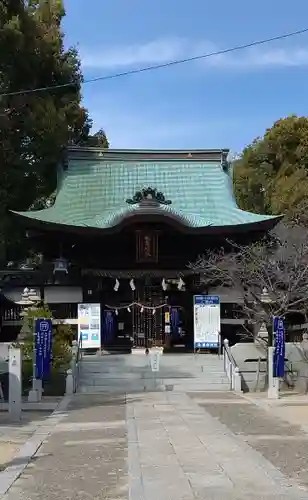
x=60, y=265
x=154, y=311
x=33, y=296
x=24, y=312
x=129, y=309
x=116, y=285
x=142, y=309
x=26, y=300
x=132, y=285
x=116, y=312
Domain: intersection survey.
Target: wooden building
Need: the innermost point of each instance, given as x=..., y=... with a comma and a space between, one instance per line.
x=123, y=229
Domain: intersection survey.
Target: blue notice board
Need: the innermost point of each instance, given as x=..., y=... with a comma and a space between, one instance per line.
x=43, y=347
x=206, y=321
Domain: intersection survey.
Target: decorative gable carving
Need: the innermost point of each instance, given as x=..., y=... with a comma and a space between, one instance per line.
x=148, y=197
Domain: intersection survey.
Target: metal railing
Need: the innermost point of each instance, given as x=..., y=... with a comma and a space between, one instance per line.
x=231, y=369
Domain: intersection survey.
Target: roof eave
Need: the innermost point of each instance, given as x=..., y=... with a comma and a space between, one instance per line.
x=188, y=155
x=151, y=151
x=262, y=225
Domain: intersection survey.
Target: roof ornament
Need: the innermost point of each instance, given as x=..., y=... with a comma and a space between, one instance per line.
x=148, y=196
x=225, y=164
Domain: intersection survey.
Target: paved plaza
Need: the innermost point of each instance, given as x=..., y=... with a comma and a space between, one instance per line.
x=13, y=435
x=167, y=446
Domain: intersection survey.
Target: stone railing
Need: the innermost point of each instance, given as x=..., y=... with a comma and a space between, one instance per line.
x=231, y=369
x=72, y=377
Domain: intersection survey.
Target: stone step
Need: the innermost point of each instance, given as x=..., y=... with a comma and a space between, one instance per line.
x=114, y=383
x=140, y=380
x=142, y=373
x=149, y=388
x=149, y=373
x=126, y=374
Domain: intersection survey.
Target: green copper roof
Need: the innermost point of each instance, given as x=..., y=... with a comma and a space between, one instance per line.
x=93, y=191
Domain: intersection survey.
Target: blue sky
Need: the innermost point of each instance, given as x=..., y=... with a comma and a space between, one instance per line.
x=222, y=102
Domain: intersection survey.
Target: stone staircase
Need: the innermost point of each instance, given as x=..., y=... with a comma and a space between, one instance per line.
x=131, y=373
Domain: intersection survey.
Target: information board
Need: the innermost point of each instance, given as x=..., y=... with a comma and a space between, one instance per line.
x=89, y=325
x=206, y=321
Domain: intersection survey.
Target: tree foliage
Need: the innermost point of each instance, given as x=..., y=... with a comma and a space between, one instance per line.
x=98, y=139
x=271, y=175
x=62, y=337
x=35, y=127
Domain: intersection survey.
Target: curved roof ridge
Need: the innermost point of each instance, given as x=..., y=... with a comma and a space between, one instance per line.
x=196, y=192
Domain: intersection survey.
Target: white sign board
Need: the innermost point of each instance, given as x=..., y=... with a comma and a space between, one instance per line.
x=154, y=359
x=206, y=321
x=89, y=325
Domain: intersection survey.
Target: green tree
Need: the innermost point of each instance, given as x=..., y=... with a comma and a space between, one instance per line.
x=271, y=175
x=35, y=127
x=99, y=139
x=62, y=337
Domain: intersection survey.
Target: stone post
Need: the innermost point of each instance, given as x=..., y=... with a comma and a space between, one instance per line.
x=273, y=382
x=74, y=350
x=69, y=385
x=225, y=357
x=15, y=383
x=237, y=380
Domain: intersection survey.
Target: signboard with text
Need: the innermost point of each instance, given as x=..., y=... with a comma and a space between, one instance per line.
x=89, y=325
x=279, y=353
x=206, y=321
x=154, y=360
x=43, y=347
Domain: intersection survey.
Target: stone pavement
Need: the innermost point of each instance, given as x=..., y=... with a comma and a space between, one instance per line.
x=291, y=407
x=14, y=435
x=167, y=446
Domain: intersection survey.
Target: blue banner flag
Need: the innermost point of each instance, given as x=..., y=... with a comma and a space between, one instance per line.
x=279, y=354
x=43, y=347
x=276, y=319
x=175, y=321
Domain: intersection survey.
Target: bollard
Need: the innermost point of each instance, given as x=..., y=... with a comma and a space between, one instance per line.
x=15, y=383
x=69, y=385
x=273, y=382
x=237, y=380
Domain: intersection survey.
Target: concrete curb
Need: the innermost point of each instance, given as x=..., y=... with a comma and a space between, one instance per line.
x=41, y=406
x=29, y=449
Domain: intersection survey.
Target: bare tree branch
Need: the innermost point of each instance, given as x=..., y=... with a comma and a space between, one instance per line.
x=277, y=263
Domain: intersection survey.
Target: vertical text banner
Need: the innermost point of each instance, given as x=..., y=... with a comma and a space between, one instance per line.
x=43, y=347
x=206, y=321
x=279, y=353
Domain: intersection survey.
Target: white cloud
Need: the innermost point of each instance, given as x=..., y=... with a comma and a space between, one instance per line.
x=255, y=58
x=164, y=50
x=154, y=52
